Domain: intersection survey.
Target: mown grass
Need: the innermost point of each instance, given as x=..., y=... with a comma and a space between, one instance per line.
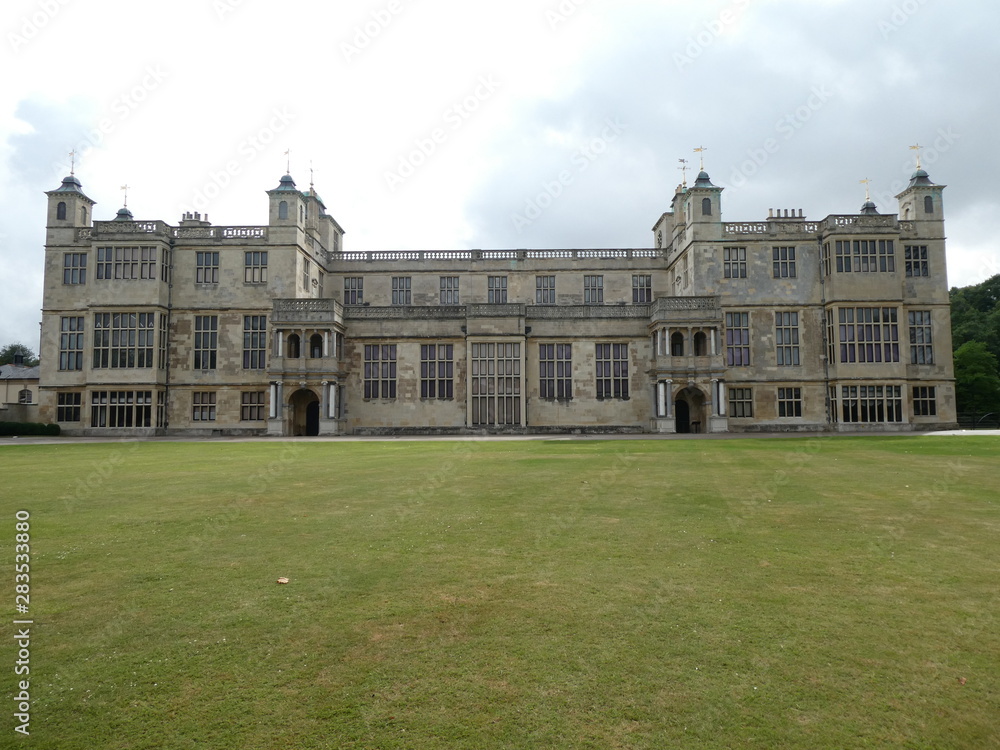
x=822, y=593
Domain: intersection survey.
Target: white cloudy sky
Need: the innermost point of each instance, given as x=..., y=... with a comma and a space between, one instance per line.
x=193, y=104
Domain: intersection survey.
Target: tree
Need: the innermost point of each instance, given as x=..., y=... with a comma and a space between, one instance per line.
x=977, y=382
x=7, y=355
x=975, y=314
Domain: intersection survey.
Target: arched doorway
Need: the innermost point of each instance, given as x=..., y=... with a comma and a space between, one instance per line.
x=304, y=418
x=689, y=409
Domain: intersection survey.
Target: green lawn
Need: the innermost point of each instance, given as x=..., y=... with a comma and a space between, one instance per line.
x=802, y=593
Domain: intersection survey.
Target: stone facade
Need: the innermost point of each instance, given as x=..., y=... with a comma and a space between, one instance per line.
x=781, y=324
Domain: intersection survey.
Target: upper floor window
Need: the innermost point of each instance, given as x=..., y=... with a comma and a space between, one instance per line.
x=868, y=334
x=593, y=290
x=71, y=343
x=783, y=261
x=401, y=293
x=921, y=345
x=642, y=288
x=706, y=206
x=206, y=341
x=123, y=340
x=126, y=263
x=254, y=342
x=354, y=290
x=737, y=339
x=449, y=290
x=74, y=268
x=611, y=361
x=283, y=210
x=865, y=256
x=928, y=204
x=786, y=338
x=206, y=269
x=915, y=258
x=255, y=267
x=734, y=262
x=61, y=210
x=496, y=289
x=545, y=290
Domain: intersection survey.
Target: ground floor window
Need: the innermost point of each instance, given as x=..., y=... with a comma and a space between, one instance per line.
x=871, y=403
x=612, y=370
x=495, y=381
x=252, y=406
x=555, y=368
x=68, y=407
x=437, y=371
x=380, y=371
x=121, y=409
x=741, y=402
x=203, y=406
x=789, y=402
x=924, y=401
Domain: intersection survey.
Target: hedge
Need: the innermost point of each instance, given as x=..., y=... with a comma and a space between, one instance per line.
x=28, y=428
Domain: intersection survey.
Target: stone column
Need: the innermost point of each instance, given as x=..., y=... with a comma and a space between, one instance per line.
x=281, y=342
x=333, y=401
x=661, y=399
x=715, y=348
x=326, y=343
x=670, y=397
x=722, y=398
x=274, y=401
x=323, y=397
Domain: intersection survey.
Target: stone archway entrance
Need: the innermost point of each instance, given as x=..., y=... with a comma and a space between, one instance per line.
x=689, y=408
x=304, y=419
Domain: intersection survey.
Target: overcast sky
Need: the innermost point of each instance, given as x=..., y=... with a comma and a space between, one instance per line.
x=443, y=124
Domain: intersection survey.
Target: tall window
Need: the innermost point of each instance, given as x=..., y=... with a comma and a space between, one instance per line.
x=449, y=290
x=380, y=371
x=865, y=256
x=738, y=339
x=74, y=268
x=496, y=384
x=161, y=355
x=254, y=342
x=68, y=407
x=71, y=343
x=928, y=204
x=24, y=396
x=401, y=290
x=283, y=210
x=121, y=409
x=871, y=403
x=252, y=406
x=734, y=262
x=915, y=257
x=593, y=290
x=123, y=340
x=924, y=401
x=740, y=402
x=612, y=370
x=789, y=402
x=921, y=346
x=437, y=371
x=868, y=334
x=786, y=338
x=306, y=273
x=206, y=270
x=255, y=267
x=642, y=289
x=545, y=290
x=206, y=341
x=496, y=289
x=126, y=262
x=61, y=210
x=783, y=262
x=203, y=406
x=706, y=206
x=555, y=368
x=354, y=290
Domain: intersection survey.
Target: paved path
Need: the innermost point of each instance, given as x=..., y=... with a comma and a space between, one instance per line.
x=41, y=440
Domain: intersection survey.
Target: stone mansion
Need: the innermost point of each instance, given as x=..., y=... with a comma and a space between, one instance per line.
x=780, y=324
